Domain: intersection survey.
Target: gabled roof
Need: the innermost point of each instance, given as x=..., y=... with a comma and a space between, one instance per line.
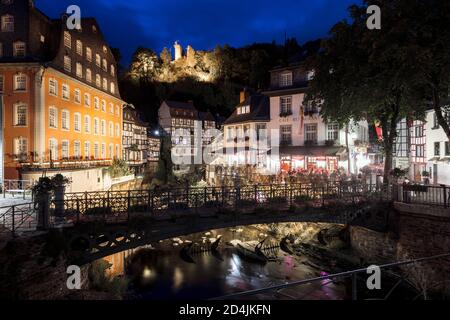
x=206, y=116
x=259, y=110
x=180, y=105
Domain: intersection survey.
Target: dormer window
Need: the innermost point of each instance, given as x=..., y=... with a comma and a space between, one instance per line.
x=310, y=75
x=286, y=79
x=105, y=49
x=243, y=110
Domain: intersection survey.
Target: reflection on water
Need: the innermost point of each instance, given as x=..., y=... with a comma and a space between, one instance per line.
x=160, y=271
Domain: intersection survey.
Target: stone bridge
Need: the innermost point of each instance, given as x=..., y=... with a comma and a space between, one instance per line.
x=90, y=241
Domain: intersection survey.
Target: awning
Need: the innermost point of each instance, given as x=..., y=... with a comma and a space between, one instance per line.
x=313, y=151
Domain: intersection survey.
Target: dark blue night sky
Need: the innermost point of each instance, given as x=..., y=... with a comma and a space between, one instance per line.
x=203, y=24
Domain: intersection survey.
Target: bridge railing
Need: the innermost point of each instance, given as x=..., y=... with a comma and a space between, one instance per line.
x=119, y=205
x=18, y=218
x=354, y=275
x=423, y=194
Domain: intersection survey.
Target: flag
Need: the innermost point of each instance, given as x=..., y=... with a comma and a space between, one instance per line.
x=379, y=130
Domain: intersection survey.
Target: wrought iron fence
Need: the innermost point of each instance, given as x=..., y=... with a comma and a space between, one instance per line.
x=118, y=205
x=18, y=218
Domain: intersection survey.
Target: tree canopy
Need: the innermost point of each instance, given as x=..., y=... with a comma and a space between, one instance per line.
x=371, y=74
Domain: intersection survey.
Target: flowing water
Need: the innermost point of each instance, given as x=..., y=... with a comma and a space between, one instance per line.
x=161, y=271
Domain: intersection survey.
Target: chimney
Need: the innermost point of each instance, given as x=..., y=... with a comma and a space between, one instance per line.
x=243, y=95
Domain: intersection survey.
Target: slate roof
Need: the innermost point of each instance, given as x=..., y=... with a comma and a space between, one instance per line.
x=259, y=110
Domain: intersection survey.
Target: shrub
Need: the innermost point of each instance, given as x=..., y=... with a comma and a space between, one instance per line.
x=277, y=200
x=302, y=198
x=246, y=202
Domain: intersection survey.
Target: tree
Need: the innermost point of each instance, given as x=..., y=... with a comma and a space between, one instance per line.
x=371, y=74
x=166, y=56
x=429, y=32
x=145, y=65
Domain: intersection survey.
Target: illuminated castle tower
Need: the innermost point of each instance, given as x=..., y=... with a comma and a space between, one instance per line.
x=178, y=51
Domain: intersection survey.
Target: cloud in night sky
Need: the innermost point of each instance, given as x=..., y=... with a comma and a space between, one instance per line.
x=203, y=24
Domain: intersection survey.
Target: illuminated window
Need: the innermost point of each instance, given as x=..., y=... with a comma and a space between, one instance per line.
x=311, y=132
x=113, y=88
x=77, y=95
x=105, y=65
x=103, y=105
x=286, y=79
x=286, y=105
x=96, y=103
x=20, y=82
x=65, y=149
x=77, y=122
x=111, y=151
x=79, y=70
x=67, y=39
x=52, y=117
x=117, y=151
x=113, y=70
x=20, y=147
x=2, y=83
x=111, y=108
x=286, y=134
x=87, y=149
x=67, y=63
x=103, y=152
x=333, y=131
x=105, y=84
x=65, y=123
x=79, y=47
x=95, y=126
x=65, y=92
x=76, y=149
x=117, y=130
x=88, y=75
x=111, y=129
x=117, y=111
x=53, y=148
x=97, y=60
x=7, y=23
x=20, y=49
x=98, y=80
x=88, y=54
x=53, y=87
x=96, y=150
x=87, y=99
x=87, y=124
x=20, y=115
x=103, y=128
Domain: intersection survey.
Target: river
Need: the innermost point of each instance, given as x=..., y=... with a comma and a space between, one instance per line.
x=160, y=271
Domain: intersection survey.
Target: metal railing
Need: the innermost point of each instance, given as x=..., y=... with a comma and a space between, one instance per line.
x=423, y=194
x=18, y=218
x=353, y=274
x=17, y=187
x=118, y=205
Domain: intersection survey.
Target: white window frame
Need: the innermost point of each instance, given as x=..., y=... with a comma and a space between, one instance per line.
x=79, y=47
x=103, y=128
x=87, y=124
x=96, y=103
x=65, y=92
x=96, y=126
x=20, y=49
x=286, y=79
x=79, y=70
x=67, y=39
x=67, y=63
x=77, y=122
x=17, y=87
x=16, y=114
x=53, y=87
x=77, y=149
x=53, y=119
x=87, y=100
x=89, y=54
x=65, y=125
x=20, y=145
x=103, y=105
x=333, y=131
x=77, y=96
x=88, y=75
x=67, y=144
x=53, y=144
x=87, y=147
